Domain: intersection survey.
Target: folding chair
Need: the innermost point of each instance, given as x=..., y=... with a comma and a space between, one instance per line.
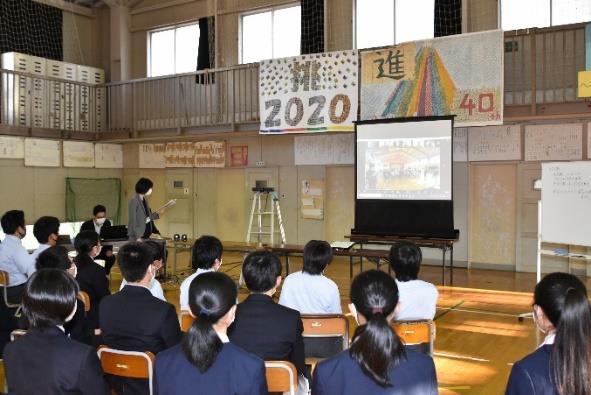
x=4, y=285
x=85, y=299
x=129, y=364
x=186, y=320
x=418, y=334
x=282, y=376
x=324, y=336
x=17, y=334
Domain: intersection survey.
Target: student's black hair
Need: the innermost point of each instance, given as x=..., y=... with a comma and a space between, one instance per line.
x=157, y=249
x=563, y=298
x=206, y=250
x=211, y=296
x=12, y=220
x=143, y=185
x=55, y=257
x=134, y=259
x=99, y=208
x=405, y=260
x=317, y=256
x=49, y=298
x=260, y=271
x=85, y=241
x=376, y=347
x=44, y=227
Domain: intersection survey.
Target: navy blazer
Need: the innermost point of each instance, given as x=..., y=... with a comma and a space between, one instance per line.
x=341, y=375
x=93, y=280
x=532, y=375
x=48, y=362
x=269, y=331
x=234, y=372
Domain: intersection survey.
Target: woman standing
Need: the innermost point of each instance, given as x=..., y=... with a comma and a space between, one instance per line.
x=141, y=218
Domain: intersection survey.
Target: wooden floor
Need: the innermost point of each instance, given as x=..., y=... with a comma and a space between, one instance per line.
x=478, y=333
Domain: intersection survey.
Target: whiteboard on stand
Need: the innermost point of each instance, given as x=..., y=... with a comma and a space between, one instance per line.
x=566, y=203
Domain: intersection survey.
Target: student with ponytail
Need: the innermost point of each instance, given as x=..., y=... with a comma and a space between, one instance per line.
x=377, y=362
x=562, y=363
x=206, y=362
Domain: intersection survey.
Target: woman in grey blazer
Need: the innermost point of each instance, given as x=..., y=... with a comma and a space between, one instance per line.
x=141, y=218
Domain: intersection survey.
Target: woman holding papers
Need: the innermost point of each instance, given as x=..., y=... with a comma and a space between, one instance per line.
x=141, y=218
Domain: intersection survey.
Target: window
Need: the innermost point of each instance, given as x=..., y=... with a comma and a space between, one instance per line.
x=173, y=50
x=387, y=22
x=270, y=34
x=521, y=14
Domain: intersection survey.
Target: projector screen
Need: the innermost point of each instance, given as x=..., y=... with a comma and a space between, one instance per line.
x=404, y=177
x=404, y=160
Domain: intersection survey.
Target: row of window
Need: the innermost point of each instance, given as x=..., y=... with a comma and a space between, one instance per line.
x=276, y=33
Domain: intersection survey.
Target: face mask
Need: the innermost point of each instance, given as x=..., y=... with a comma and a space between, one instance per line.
x=72, y=313
x=149, y=192
x=73, y=270
x=23, y=233
x=100, y=221
x=537, y=321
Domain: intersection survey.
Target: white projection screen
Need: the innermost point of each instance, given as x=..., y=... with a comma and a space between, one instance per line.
x=405, y=160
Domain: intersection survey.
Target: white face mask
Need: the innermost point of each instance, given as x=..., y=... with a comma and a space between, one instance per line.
x=72, y=313
x=100, y=221
x=73, y=270
x=149, y=192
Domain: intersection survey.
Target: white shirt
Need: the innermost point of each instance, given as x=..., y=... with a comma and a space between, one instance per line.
x=418, y=300
x=97, y=228
x=184, y=297
x=35, y=254
x=16, y=261
x=310, y=294
x=155, y=289
x=549, y=339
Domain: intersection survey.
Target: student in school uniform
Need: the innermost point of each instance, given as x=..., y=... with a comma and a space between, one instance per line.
x=45, y=360
x=46, y=231
x=418, y=298
x=133, y=319
x=206, y=257
x=91, y=277
x=562, y=363
x=99, y=222
x=377, y=362
x=309, y=291
x=157, y=251
x=206, y=362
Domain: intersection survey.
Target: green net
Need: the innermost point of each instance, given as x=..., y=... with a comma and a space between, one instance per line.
x=82, y=194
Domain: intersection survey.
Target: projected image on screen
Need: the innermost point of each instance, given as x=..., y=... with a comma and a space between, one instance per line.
x=409, y=161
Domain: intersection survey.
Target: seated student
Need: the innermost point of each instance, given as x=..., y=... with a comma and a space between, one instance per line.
x=46, y=360
x=263, y=327
x=134, y=320
x=91, y=276
x=309, y=291
x=46, y=231
x=206, y=362
x=97, y=224
x=158, y=256
x=562, y=363
x=56, y=257
x=206, y=257
x=377, y=362
x=418, y=298
x=16, y=261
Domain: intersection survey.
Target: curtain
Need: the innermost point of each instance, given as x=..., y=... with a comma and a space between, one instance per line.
x=448, y=17
x=206, y=50
x=31, y=28
x=312, y=26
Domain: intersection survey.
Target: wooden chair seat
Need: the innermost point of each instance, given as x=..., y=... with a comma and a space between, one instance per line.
x=129, y=364
x=186, y=320
x=416, y=332
x=282, y=376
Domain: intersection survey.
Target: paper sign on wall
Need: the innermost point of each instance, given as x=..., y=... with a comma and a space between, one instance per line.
x=210, y=154
x=151, y=156
x=108, y=156
x=313, y=199
x=43, y=153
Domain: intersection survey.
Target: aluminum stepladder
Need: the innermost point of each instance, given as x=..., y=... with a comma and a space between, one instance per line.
x=262, y=211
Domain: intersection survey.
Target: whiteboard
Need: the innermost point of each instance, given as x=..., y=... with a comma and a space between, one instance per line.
x=326, y=149
x=42, y=153
x=12, y=147
x=566, y=203
x=554, y=142
x=151, y=156
x=494, y=143
x=108, y=156
x=78, y=154
x=460, y=142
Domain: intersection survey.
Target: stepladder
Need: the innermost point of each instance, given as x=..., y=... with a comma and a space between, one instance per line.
x=265, y=223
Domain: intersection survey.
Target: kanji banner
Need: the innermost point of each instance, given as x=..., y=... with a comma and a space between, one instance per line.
x=458, y=75
x=309, y=93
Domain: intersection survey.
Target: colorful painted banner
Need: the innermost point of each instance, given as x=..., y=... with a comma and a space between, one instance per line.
x=460, y=75
x=309, y=93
